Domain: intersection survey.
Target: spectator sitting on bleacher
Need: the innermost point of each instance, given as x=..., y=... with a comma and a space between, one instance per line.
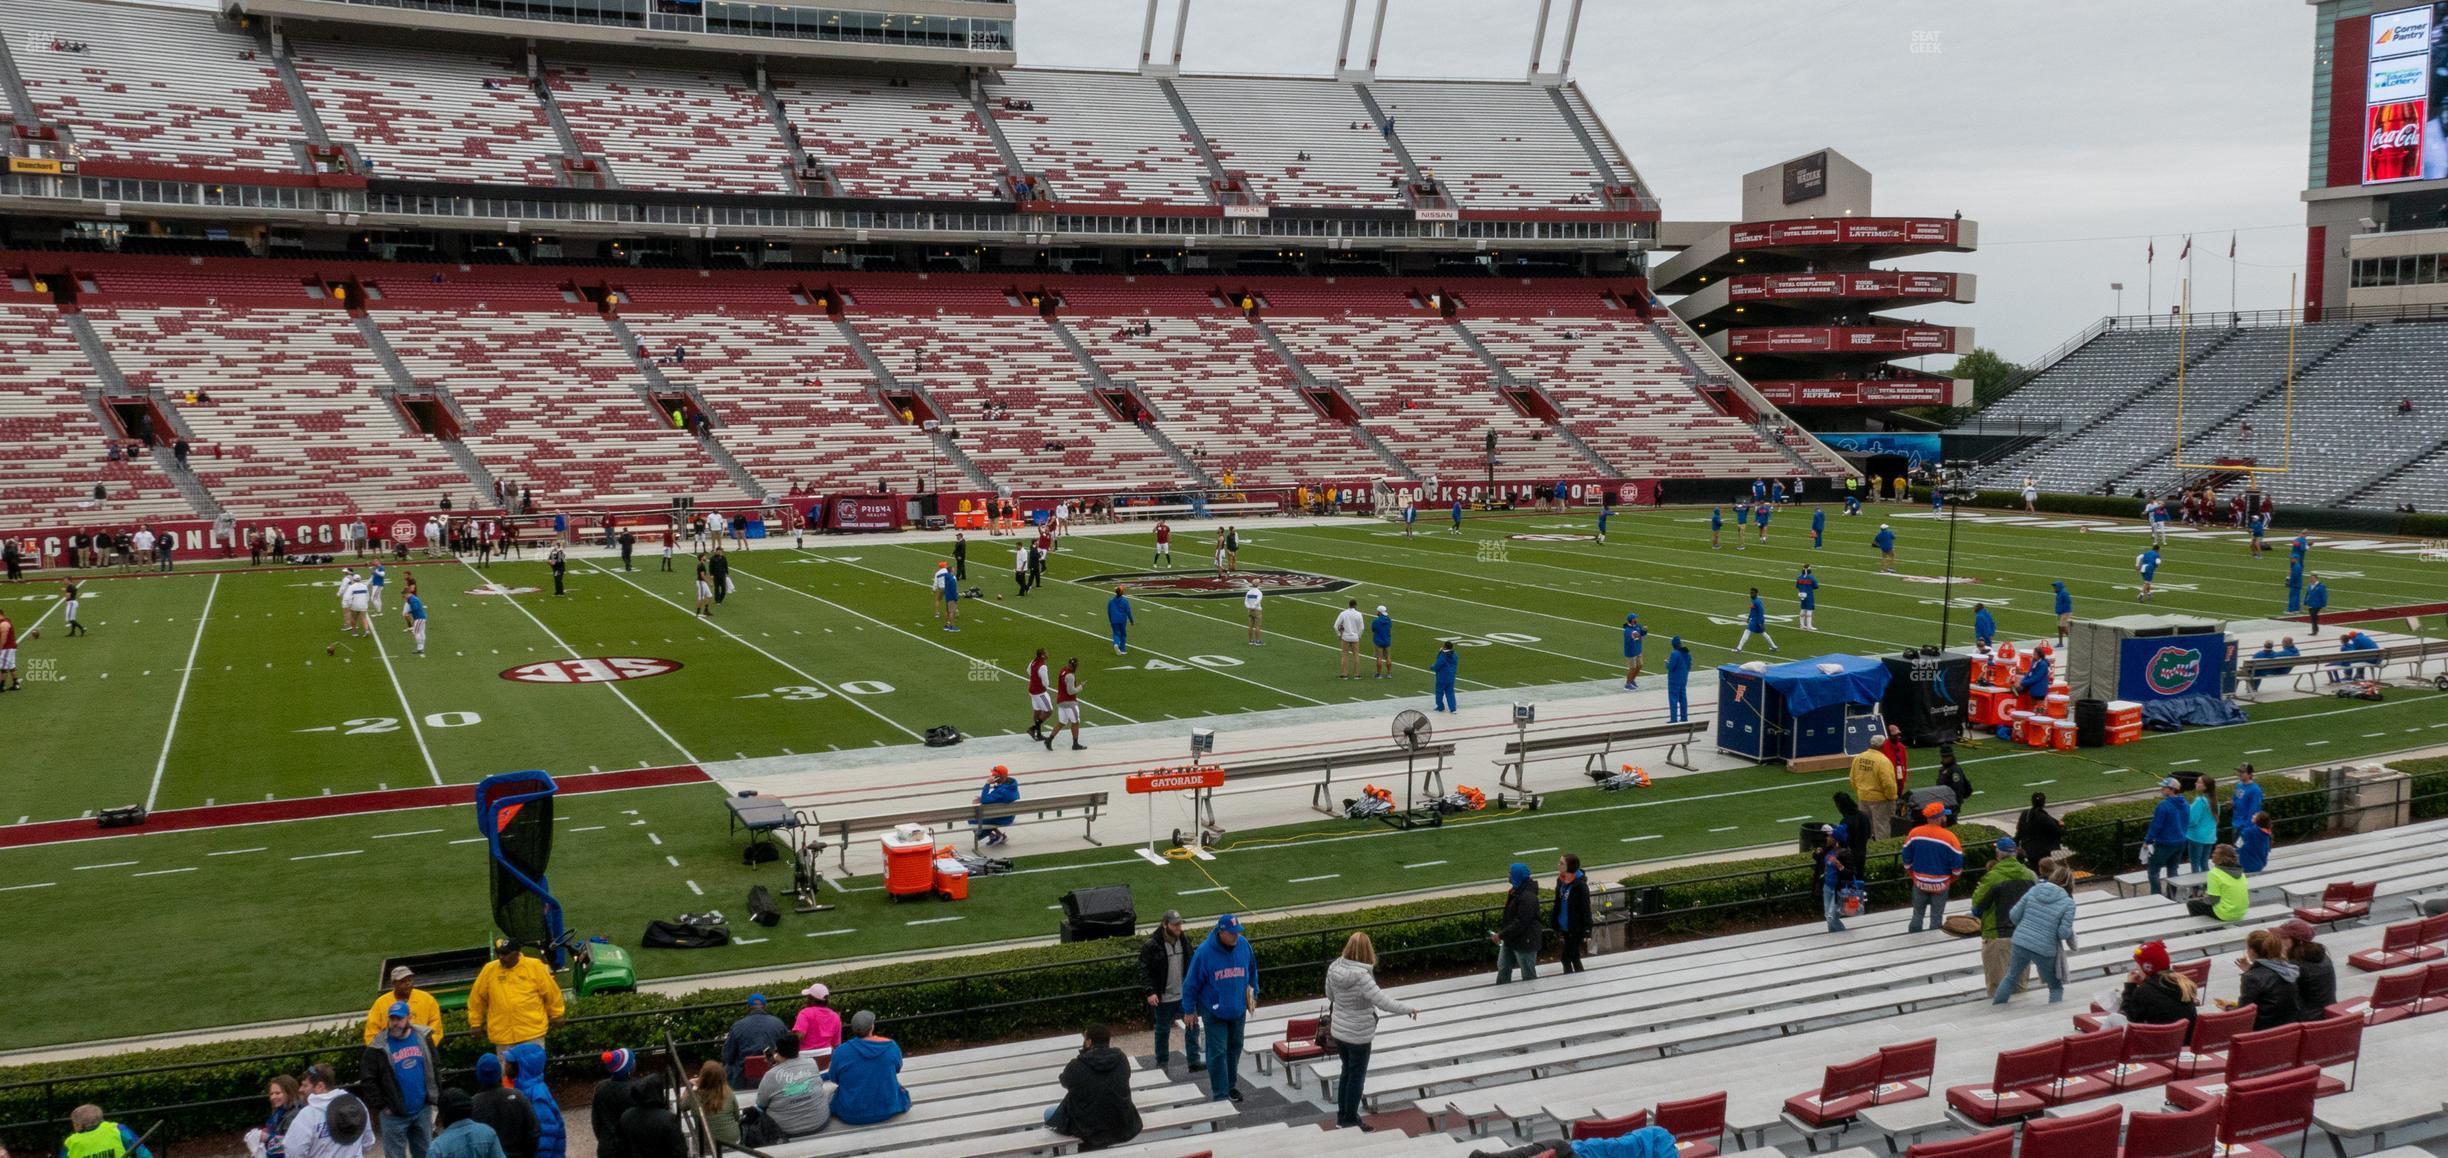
x=1096, y=1106
x=2316, y=974
x=2155, y=993
x=2043, y=921
x=1933, y=858
x=2227, y=893
x=749, y=1037
x=2253, y=844
x=2268, y=651
x=2348, y=669
x=94, y=1136
x=2268, y=984
x=711, y=1089
x=866, y=1075
x=792, y=1099
x=1993, y=898
x=818, y=1026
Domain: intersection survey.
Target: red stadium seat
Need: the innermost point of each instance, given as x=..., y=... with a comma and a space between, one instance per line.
x=2085, y=1135
x=2014, y=1089
x=2340, y=901
x=2332, y=1042
x=1587, y=1128
x=2404, y=943
x=2187, y=1134
x=1696, y=1123
x=2150, y=1054
x=2272, y=1106
x=2393, y=996
x=2249, y=1055
x=1844, y=1091
x=2084, y=1068
x=1998, y=1143
x=2207, y=1052
x=1904, y=1071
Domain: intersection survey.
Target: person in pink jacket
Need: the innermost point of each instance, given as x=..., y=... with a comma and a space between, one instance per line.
x=818, y=1026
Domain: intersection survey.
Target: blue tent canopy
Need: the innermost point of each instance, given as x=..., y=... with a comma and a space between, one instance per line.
x=1806, y=689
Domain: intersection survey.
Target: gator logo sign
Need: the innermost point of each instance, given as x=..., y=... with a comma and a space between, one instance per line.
x=2172, y=669
x=590, y=671
x=1210, y=585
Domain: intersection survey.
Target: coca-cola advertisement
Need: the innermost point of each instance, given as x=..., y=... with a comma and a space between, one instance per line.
x=2393, y=142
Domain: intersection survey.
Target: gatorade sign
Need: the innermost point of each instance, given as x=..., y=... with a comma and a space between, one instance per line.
x=1172, y=780
x=590, y=671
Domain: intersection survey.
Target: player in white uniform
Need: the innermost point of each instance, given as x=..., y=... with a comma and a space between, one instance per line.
x=1040, y=694
x=1253, y=601
x=353, y=603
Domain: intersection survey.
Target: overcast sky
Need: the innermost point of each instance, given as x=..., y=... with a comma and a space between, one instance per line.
x=2072, y=130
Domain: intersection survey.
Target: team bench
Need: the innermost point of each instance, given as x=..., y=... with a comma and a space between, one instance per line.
x=1320, y=770
x=2306, y=668
x=1214, y=510
x=1026, y=811
x=1594, y=747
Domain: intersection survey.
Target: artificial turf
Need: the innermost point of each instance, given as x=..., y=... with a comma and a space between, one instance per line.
x=835, y=647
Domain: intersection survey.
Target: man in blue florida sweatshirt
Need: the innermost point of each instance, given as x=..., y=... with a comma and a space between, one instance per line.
x=1000, y=789
x=1447, y=667
x=1221, y=985
x=1762, y=520
x=1381, y=637
x=1678, y=682
x=1885, y=542
x=2315, y=601
x=2163, y=843
x=2295, y=574
x=1118, y=616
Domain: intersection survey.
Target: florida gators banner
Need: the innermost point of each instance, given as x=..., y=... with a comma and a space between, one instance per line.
x=2169, y=667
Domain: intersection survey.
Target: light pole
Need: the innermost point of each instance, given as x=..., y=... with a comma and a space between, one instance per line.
x=1951, y=481
x=2119, y=287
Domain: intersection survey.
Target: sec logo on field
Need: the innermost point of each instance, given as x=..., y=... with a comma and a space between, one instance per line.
x=590, y=671
x=1210, y=585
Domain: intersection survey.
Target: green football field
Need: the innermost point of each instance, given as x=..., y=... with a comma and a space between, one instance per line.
x=216, y=689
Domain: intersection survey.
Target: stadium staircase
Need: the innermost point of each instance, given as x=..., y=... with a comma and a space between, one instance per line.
x=1581, y=133
x=657, y=384
x=20, y=102
x=2132, y=472
x=889, y=384
x=1012, y=165
x=114, y=381
x=1411, y=170
x=1310, y=380
x=397, y=378
x=277, y=48
x=1105, y=382
x=1506, y=379
x=1218, y=179
x=571, y=153
x=2413, y=479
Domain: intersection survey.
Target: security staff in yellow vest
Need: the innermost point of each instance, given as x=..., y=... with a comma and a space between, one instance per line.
x=95, y=1136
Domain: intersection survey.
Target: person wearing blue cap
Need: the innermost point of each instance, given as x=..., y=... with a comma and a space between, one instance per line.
x=1635, y=637
x=504, y=1109
x=1885, y=541
x=1518, y=933
x=1221, y=986
x=749, y=1037
x=398, y=1072
x=1678, y=682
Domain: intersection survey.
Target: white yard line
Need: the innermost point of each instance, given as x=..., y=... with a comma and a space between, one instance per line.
x=934, y=643
x=162, y=764
x=406, y=713
x=794, y=669
x=611, y=687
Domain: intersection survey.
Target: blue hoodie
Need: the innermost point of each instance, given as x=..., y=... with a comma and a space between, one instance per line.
x=1884, y=540
x=1984, y=625
x=2168, y=821
x=2252, y=847
x=1646, y=1142
x=1218, y=981
x=866, y=1077
x=1716, y=518
x=1678, y=664
x=526, y=1064
x=1807, y=585
x=1118, y=611
x=999, y=790
x=1634, y=636
x=1447, y=663
x=2065, y=601
x=1818, y=521
x=1381, y=630
x=1764, y=512
x=2035, y=684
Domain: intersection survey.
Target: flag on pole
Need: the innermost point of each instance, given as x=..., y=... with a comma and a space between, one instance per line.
x=2150, y=252
x=2231, y=239
x=2187, y=255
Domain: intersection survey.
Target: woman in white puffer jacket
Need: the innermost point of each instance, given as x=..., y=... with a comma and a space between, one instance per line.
x=1353, y=1003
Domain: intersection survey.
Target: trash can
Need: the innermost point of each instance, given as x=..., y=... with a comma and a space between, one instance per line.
x=1610, y=920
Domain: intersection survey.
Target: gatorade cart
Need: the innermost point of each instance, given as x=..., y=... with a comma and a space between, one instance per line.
x=909, y=862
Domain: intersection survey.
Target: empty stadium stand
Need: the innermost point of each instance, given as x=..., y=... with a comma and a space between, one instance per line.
x=1099, y=138
x=54, y=448
x=432, y=116
x=1629, y=398
x=2339, y=438
x=673, y=129
x=154, y=86
x=919, y=138
x=1492, y=145
x=1297, y=142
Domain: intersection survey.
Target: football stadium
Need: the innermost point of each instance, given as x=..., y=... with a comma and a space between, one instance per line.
x=624, y=579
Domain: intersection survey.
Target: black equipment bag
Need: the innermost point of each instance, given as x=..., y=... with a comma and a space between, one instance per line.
x=761, y=908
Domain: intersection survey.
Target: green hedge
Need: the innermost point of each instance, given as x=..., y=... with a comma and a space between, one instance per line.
x=925, y=1004
x=2106, y=839
x=2429, y=787
x=1700, y=899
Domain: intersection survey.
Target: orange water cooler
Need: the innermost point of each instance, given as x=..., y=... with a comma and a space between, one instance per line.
x=909, y=862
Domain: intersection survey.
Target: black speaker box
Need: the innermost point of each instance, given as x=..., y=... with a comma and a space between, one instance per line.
x=2090, y=723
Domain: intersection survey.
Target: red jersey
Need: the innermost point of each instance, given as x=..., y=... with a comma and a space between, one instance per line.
x=8, y=636
x=1164, y=534
x=1037, y=679
x=1069, y=690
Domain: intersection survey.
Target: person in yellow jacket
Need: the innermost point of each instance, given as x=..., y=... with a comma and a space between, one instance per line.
x=423, y=1011
x=1874, y=788
x=515, y=999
